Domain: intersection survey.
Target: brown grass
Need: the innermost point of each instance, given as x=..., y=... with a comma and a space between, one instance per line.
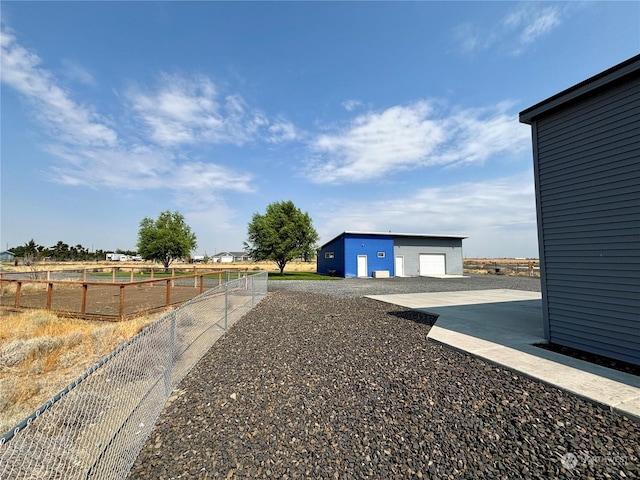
x=296, y=266
x=501, y=261
x=506, y=265
x=41, y=353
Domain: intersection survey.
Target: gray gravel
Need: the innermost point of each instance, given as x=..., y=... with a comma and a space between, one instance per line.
x=358, y=287
x=337, y=386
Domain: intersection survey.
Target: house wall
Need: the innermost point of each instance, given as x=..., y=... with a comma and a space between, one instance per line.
x=325, y=265
x=368, y=245
x=7, y=257
x=412, y=247
x=587, y=173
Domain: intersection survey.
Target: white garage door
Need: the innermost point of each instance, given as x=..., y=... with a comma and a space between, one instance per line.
x=432, y=264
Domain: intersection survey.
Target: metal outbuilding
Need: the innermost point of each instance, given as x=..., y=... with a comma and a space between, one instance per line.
x=586, y=156
x=7, y=256
x=368, y=254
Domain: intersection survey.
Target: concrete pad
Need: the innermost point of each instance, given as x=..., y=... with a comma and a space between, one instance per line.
x=465, y=297
x=501, y=326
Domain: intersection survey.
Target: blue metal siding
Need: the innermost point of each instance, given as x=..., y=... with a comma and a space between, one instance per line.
x=368, y=245
x=336, y=263
x=588, y=198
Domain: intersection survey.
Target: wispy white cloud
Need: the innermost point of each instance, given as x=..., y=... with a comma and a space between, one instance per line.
x=144, y=168
x=471, y=38
x=282, y=131
x=520, y=28
x=77, y=73
x=65, y=119
x=529, y=23
x=92, y=153
x=498, y=215
x=351, y=104
x=416, y=135
x=188, y=110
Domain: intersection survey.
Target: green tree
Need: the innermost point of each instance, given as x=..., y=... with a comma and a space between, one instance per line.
x=166, y=238
x=26, y=250
x=60, y=251
x=281, y=234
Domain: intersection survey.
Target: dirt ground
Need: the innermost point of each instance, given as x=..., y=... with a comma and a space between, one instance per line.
x=103, y=301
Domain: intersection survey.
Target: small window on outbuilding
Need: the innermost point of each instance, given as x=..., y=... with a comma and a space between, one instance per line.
x=328, y=255
x=381, y=254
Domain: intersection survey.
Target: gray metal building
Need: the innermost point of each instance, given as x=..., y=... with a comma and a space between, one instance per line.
x=365, y=254
x=586, y=155
x=415, y=255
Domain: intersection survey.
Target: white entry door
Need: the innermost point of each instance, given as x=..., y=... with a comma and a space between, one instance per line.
x=432, y=264
x=399, y=266
x=362, y=266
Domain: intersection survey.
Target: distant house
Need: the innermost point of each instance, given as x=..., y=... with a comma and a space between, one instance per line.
x=116, y=257
x=7, y=256
x=368, y=254
x=230, y=257
x=586, y=144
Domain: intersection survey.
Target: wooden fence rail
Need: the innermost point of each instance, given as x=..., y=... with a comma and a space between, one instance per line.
x=146, y=299
x=142, y=270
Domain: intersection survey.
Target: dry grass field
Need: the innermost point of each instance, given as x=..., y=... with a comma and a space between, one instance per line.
x=507, y=266
x=44, y=266
x=296, y=266
x=40, y=354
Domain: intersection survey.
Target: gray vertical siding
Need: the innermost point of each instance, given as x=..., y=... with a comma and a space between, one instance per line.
x=412, y=247
x=587, y=162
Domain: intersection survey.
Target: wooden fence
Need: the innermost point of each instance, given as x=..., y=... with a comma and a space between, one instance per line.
x=108, y=300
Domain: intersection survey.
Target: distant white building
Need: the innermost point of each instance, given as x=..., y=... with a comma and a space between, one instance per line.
x=230, y=257
x=119, y=257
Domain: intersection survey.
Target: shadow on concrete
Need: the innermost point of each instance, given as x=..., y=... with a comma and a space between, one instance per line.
x=502, y=326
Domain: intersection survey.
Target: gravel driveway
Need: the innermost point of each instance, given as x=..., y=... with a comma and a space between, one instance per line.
x=358, y=287
x=318, y=382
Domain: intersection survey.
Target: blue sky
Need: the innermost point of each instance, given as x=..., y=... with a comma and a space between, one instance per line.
x=370, y=116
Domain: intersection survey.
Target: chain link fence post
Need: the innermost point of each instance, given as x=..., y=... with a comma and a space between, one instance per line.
x=253, y=292
x=170, y=355
x=226, y=304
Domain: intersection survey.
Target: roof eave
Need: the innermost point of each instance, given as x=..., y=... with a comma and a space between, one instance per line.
x=585, y=87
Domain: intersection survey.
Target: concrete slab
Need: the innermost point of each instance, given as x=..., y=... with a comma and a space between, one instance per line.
x=501, y=326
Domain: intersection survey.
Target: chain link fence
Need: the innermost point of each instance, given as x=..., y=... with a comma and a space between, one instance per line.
x=95, y=427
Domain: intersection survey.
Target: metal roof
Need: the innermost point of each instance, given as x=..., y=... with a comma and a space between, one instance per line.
x=394, y=234
x=588, y=86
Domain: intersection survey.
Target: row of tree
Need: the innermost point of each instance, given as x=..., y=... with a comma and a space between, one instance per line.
x=283, y=233
x=32, y=251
